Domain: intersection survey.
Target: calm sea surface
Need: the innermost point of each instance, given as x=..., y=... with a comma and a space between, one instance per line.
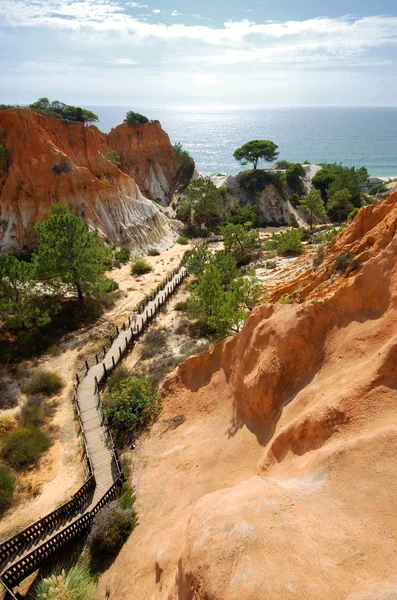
x=354, y=136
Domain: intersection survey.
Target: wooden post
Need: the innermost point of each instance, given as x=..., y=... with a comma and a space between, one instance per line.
x=120, y=351
x=77, y=379
x=96, y=384
x=114, y=364
x=129, y=321
x=104, y=369
x=117, y=330
x=96, y=358
x=86, y=365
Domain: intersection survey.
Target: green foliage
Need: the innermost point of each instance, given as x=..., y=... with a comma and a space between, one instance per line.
x=69, y=257
x=21, y=303
x=295, y=200
x=182, y=240
x=290, y=243
x=42, y=382
x=326, y=236
x=242, y=243
x=282, y=164
x=140, y=266
x=247, y=291
x=343, y=261
x=181, y=306
x=184, y=211
x=286, y=300
x=257, y=180
x=134, y=118
x=63, y=111
x=226, y=265
x=122, y=255
x=352, y=214
x=132, y=404
x=306, y=162
x=24, y=446
x=333, y=178
x=127, y=499
x=294, y=172
x=113, y=156
x=312, y=206
x=243, y=215
x=74, y=584
x=183, y=156
x=205, y=200
x=106, y=286
x=111, y=529
x=339, y=205
x=117, y=375
x=379, y=188
x=253, y=151
x=195, y=262
x=7, y=486
x=3, y=153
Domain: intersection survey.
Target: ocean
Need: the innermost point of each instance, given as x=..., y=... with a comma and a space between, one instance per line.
x=353, y=136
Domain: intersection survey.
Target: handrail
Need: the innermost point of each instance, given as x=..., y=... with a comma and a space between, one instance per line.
x=26, y=538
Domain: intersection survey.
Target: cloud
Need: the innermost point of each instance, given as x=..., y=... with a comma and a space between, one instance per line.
x=175, y=13
x=156, y=11
x=136, y=5
x=122, y=62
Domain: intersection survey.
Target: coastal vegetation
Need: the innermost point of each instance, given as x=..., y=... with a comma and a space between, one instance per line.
x=312, y=207
x=333, y=178
x=113, y=156
x=140, y=266
x=256, y=150
x=7, y=486
x=75, y=583
x=183, y=156
x=42, y=382
x=60, y=110
x=134, y=118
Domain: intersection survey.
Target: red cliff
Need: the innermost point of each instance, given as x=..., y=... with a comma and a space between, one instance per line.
x=49, y=160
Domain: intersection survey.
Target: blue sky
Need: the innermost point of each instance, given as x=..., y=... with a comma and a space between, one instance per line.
x=204, y=53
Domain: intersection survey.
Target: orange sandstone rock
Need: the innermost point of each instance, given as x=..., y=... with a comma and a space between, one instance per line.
x=51, y=160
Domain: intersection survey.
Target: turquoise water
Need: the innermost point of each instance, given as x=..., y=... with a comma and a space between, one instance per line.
x=354, y=136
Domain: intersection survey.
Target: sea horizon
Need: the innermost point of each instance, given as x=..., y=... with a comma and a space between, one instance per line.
x=353, y=135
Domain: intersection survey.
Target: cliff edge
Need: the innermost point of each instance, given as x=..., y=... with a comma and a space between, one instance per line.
x=48, y=160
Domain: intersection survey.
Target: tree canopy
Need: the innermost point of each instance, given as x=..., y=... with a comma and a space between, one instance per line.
x=333, y=178
x=253, y=151
x=183, y=156
x=205, y=201
x=63, y=111
x=339, y=205
x=68, y=254
x=312, y=206
x=134, y=118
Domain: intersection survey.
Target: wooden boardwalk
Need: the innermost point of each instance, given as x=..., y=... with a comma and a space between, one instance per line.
x=23, y=553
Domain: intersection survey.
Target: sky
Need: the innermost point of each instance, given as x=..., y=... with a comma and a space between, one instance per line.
x=221, y=53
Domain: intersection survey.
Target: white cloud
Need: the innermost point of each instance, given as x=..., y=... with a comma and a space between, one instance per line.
x=136, y=5
x=156, y=11
x=122, y=62
x=175, y=13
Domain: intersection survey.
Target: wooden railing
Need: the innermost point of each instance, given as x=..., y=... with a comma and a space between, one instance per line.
x=34, y=535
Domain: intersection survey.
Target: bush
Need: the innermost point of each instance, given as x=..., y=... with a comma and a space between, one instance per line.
x=75, y=584
x=111, y=529
x=154, y=342
x=42, y=382
x=113, y=156
x=257, y=179
x=286, y=300
x=327, y=236
x=183, y=156
x=7, y=423
x=182, y=240
x=140, y=266
x=379, y=188
x=127, y=499
x=24, y=446
x=122, y=255
x=34, y=413
x=7, y=486
x=343, y=261
x=318, y=259
x=282, y=164
x=181, y=306
x=107, y=285
x=133, y=118
x=295, y=199
x=117, y=376
x=132, y=404
x=290, y=243
x=352, y=214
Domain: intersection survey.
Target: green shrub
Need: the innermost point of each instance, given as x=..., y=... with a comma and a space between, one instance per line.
x=379, y=188
x=257, y=179
x=306, y=162
x=3, y=152
x=111, y=529
x=140, y=266
x=113, y=156
x=42, y=382
x=107, y=285
x=133, y=118
x=327, y=236
x=75, y=584
x=132, y=404
x=34, y=413
x=318, y=259
x=282, y=164
x=295, y=199
x=24, y=446
x=352, y=214
x=117, y=375
x=181, y=306
x=182, y=240
x=343, y=261
x=183, y=156
x=122, y=255
x=286, y=300
x=7, y=486
x=290, y=243
x=127, y=499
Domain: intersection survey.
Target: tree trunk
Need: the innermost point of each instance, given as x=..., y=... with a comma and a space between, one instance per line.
x=79, y=292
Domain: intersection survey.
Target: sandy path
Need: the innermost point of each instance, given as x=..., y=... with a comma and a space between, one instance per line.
x=60, y=471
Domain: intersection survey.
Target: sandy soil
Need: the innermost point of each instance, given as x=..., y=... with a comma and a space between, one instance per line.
x=60, y=471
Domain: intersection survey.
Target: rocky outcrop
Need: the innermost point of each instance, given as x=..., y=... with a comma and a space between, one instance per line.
x=272, y=468
x=273, y=207
x=50, y=160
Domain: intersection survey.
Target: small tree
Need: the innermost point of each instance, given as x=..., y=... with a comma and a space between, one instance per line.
x=195, y=262
x=113, y=156
x=339, y=205
x=184, y=211
x=312, y=206
x=247, y=291
x=252, y=151
x=241, y=242
x=205, y=200
x=68, y=254
x=183, y=156
x=134, y=118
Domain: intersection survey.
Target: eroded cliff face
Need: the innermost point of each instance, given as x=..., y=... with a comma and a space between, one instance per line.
x=50, y=160
x=271, y=472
